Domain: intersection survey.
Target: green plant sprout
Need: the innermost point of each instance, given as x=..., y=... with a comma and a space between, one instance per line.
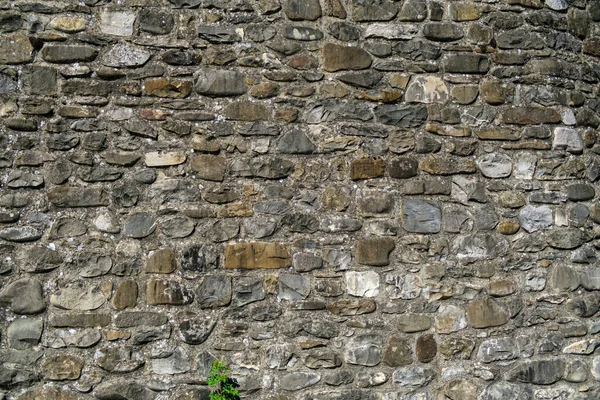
x=222, y=386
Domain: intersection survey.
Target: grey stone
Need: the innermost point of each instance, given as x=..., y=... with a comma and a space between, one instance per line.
x=293, y=287
x=219, y=83
x=24, y=333
x=421, y=217
x=402, y=116
x=426, y=89
x=119, y=359
x=466, y=63
x=362, y=79
x=157, y=23
x=306, y=262
x=297, y=10
x=413, y=10
x=364, y=350
x=61, y=338
x=568, y=139
x=77, y=296
x=295, y=142
x=392, y=31
x=498, y=349
x=340, y=224
x=195, y=329
x=506, y=391
x=139, y=225
x=199, y=258
x=442, y=31
x=534, y=218
x=298, y=380
x=177, y=227
x=565, y=239
x=39, y=80
x=303, y=33
x=495, y=165
x=171, y=363
x=580, y=192
x=247, y=290
x=380, y=11
x=344, y=31
x=118, y=23
x=412, y=376
x=215, y=291
x=123, y=389
x=218, y=34
x=125, y=55
x=539, y=372
x=24, y=296
x=21, y=234
x=66, y=54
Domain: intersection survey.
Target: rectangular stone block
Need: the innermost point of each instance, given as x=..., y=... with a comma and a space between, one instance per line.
x=257, y=255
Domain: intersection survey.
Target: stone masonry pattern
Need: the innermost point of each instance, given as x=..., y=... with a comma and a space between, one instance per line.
x=340, y=199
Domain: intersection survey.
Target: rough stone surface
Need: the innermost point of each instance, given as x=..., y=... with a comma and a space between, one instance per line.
x=340, y=199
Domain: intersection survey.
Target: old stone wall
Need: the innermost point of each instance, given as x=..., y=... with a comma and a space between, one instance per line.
x=341, y=199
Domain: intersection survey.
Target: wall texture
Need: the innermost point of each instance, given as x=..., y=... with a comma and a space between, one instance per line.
x=342, y=199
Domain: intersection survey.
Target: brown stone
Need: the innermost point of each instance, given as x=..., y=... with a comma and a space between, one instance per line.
x=443, y=165
x=264, y=90
x=336, y=58
x=527, y=145
x=62, y=368
x=448, y=130
x=162, y=261
x=164, y=159
x=527, y=3
x=498, y=134
x=170, y=88
x=531, y=116
x=352, y=307
x=426, y=348
x=303, y=62
x=508, y=227
x=502, y=287
x=51, y=393
x=411, y=323
x=335, y=8
x=493, y=92
x=125, y=295
x=15, y=49
x=485, y=313
x=367, y=168
x=246, y=111
x=160, y=292
x=398, y=352
x=257, y=255
x=77, y=197
x=466, y=94
x=460, y=12
x=112, y=334
x=591, y=46
x=237, y=210
x=209, y=167
x=374, y=252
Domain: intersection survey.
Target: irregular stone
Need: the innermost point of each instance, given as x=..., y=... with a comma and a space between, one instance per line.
x=398, y=352
x=402, y=116
x=450, y=318
x=67, y=54
x=125, y=55
x=466, y=64
x=298, y=380
x=259, y=255
x=21, y=234
x=169, y=88
x=565, y=239
x=293, y=287
x=352, y=307
x=139, y=225
x=539, y=372
x=443, y=165
x=375, y=252
x=125, y=295
x=495, y=165
x=442, y=31
x=362, y=284
x=219, y=83
x=531, y=116
x=382, y=11
x=501, y=390
x=426, y=348
x=81, y=320
x=580, y=192
x=302, y=10
x=118, y=23
x=160, y=292
x=77, y=197
x=61, y=338
x=421, y=216
x=303, y=33
x=412, y=376
x=411, y=323
x=246, y=111
x=15, y=48
x=498, y=349
x=24, y=333
x=403, y=168
x=124, y=389
x=485, y=313
x=336, y=58
x=367, y=168
x=392, y=31
x=426, y=89
x=364, y=350
x=194, y=329
x=161, y=261
x=119, y=359
x=172, y=363
x=154, y=22
x=218, y=34
x=215, y=291
x=295, y=142
x=77, y=296
x=62, y=367
x=535, y=218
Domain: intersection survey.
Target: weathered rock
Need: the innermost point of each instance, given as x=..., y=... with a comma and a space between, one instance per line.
x=215, y=291
x=374, y=252
x=167, y=292
x=62, y=367
x=402, y=116
x=24, y=296
x=139, y=225
x=24, y=333
x=539, y=372
x=125, y=55
x=299, y=380
x=219, y=83
x=442, y=31
x=66, y=54
x=118, y=23
x=450, y=318
x=15, y=48
x=428, y=89
x=485, y=313
x=261, y=255
x=78, y=296
x=421, y=217
x=495, y=165
x=364, y=350
x=119, y=359
x=302, y=10
x=352, y=307
x=336, y=58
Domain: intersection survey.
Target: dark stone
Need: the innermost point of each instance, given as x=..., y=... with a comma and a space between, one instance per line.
x=155, y=22
x=442, y=31
x=402, y=116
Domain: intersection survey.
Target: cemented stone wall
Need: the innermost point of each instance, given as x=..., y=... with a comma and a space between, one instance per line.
x=341, y=199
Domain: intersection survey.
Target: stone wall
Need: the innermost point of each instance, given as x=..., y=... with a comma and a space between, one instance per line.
x=341, y=199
